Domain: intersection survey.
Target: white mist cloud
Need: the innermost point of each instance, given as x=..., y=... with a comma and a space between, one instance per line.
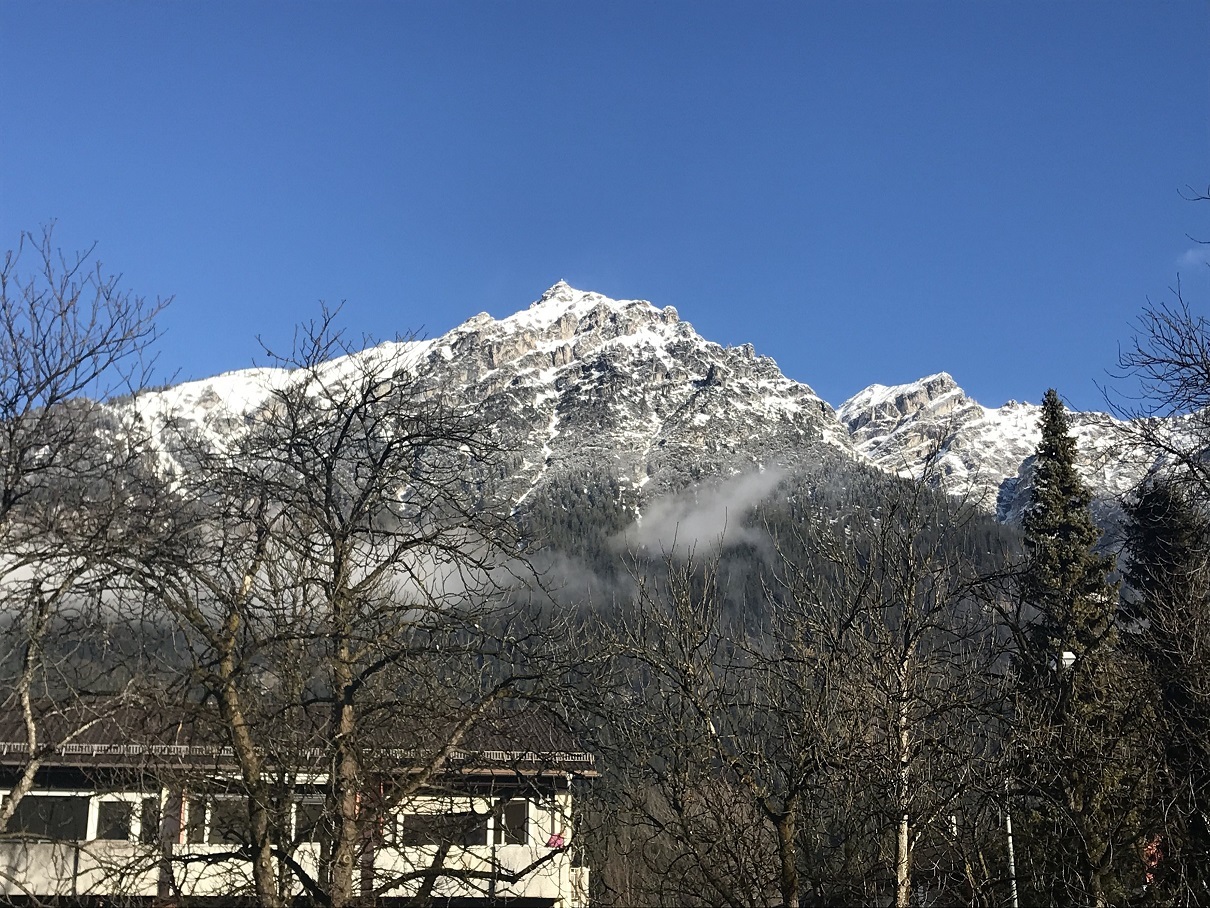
x=704, y=518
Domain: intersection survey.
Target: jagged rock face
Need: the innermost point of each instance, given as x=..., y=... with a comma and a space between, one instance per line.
x=932, y=428
x=578, y=382
x=900, y=426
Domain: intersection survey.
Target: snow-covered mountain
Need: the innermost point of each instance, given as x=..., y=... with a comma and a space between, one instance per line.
x=579, y=383
x=931, y=427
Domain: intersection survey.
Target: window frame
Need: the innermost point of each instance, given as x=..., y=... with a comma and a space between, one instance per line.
x=92, y=819
x=490, y=813
x=190, y=802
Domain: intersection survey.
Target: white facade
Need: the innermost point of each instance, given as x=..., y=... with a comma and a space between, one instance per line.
x=80, y=842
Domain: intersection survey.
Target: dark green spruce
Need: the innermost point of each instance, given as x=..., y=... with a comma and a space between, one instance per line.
x=1066, y=577
x=1083, y=766
x=1167, y=601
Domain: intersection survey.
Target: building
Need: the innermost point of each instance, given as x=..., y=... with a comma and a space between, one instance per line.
x=162, y=818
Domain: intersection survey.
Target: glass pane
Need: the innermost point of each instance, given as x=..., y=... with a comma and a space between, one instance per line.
x=511, y=824
x=114, y=819
x=419, y=829
x=195, y=831
x=51, y=817
x=228, y=821
x=309, y=823
x=149, y=821
x=470, y=829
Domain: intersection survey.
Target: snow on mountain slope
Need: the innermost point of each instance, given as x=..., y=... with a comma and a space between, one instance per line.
x=576, y=382
x=217, y=407
x=977, y=451
x=579, y=383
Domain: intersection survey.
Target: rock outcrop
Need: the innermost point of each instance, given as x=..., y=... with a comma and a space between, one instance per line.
x=932, y=428
x=579, y=382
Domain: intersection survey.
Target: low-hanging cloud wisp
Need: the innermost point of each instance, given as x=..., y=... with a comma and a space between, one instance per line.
x=704, y=518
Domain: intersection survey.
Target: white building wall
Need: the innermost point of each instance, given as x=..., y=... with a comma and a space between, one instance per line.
x=101, y=867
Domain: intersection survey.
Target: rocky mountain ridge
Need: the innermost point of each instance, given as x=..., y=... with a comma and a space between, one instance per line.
x=932, y=427
x=579, y=383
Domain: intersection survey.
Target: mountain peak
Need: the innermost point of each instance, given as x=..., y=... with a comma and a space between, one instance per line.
x=560, y=291
x=560, y=298
x=567, y=310
x=939, y=378
x=902, y=400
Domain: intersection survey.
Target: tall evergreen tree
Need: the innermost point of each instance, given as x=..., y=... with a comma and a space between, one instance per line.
x=1065, y=578
x=1168, y=599
x=1080, y=742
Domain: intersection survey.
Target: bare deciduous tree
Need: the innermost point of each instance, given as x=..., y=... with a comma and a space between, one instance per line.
x=1168, y=417
x=70, y=336
x=838, y=744
x=343, y=585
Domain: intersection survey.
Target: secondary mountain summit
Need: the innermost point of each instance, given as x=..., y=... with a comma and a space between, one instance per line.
x=579, y=383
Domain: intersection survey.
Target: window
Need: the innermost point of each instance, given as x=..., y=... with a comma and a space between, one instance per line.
x=512, y=824
x=310, y=824
x=464, y=829
x=508, y=822
x=149, y=821
x=216, y=821
x=115, y=820
x=195, y=823
x=228, y=821
x=59, y=817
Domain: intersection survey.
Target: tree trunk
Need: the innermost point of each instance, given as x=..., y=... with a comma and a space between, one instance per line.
x=1100, y=878
x=345, y=786
x=788, y=855
x=903, y=842
x=26, y=779
x=903, y=865
x=231, y=706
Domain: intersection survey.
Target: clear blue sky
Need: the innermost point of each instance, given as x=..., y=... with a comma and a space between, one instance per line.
x=866, y=192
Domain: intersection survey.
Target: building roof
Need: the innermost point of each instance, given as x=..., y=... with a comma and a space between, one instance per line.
x=104, y=732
